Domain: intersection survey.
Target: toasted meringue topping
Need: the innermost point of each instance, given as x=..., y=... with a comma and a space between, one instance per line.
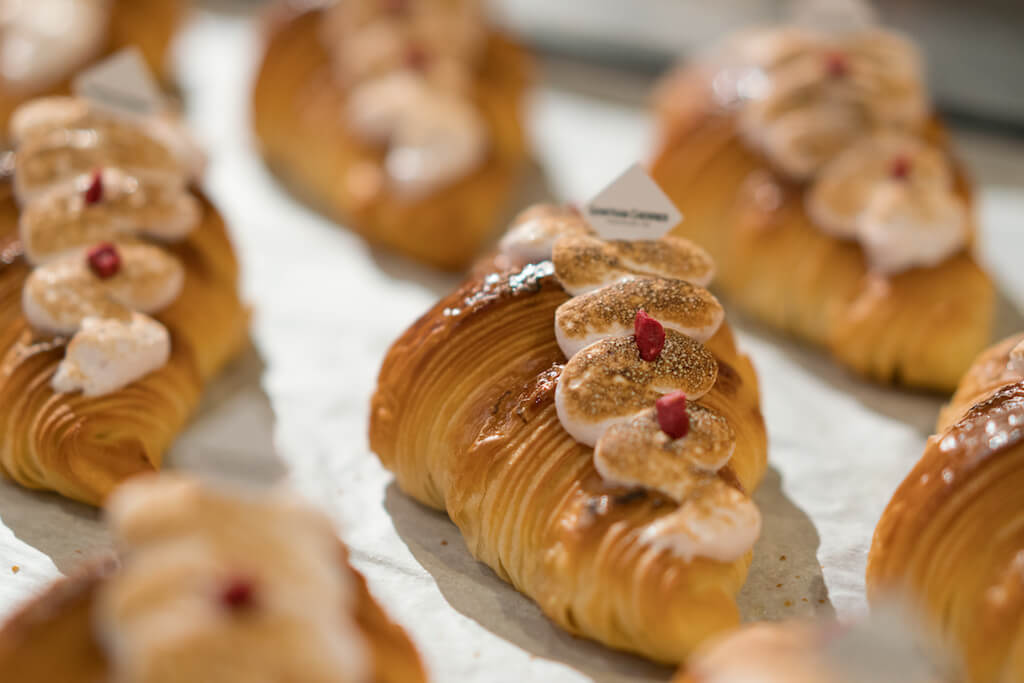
x=639, y=453
x=108, y=353
x=791, y=652
x=61, y=219
x=584, y=263
x=1016, y=363
x=535, y=230
x=607, y=382
x=715, y=521
x=85, y=177
x=821, y=92
x=610, y=311
x=44, y=160
x=61, y=294
x=174, y=612
x=837, y=199
x=43, y=41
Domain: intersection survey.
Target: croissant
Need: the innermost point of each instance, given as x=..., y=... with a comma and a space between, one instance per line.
x=811, y=169
x=403, y=121
x=94, y=29
x=951, y=535
x=640, y=542
x=177, y=610
x=93, y=389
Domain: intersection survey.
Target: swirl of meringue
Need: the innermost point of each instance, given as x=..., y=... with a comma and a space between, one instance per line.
x=60, y=219
x=584, y=263
x=820, y=92
x=607, y=382
x=610, y=311
x=895, y=195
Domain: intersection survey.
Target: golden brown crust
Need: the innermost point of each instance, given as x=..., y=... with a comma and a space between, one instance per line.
x=51, y=638
x=464, y=416
x=297, y=115
x=82, y=447
x=921, y=327
x=952, y=534
x=149, y=25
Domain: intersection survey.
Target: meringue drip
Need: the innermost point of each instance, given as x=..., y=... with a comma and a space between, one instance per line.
x=90, y=188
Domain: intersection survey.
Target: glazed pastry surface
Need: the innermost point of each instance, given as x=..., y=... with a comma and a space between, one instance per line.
x=55, y=438
x=834, y=212
x=99, y=28
x=162, y=616
x=952, y=537
x=354, y=141
x=465, y=416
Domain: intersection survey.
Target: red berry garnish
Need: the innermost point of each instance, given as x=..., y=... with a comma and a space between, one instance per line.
x=94, y=193
x=104, y=261
x=837, y=65
x=237, y=594
x=416, y=57
x=672, y=416
x=649, y=335
x=900, y=168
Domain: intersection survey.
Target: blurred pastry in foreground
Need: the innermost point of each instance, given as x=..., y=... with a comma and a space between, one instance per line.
x=812, y=168
x=119, y=295
x=581, y=411
x=402, y=120
x=952, y=537
x=811, y=652
x=43, y=43
x=210, y=586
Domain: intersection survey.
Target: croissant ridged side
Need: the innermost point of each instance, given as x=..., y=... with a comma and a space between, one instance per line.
x=921, y=327
x=953, y=535
x=464, y=416
x=61, y=621
x=298, y=116
x=82, y=447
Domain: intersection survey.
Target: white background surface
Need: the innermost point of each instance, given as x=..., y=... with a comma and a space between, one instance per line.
x=326, y=308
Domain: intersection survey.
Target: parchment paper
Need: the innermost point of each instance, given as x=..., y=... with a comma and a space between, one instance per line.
x=326, y=308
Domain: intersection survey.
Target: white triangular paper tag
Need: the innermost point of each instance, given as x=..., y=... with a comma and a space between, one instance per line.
x=632, y=207
x=121, y=84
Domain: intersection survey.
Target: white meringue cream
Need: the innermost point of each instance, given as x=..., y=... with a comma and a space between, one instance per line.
x=610, y=312
x=107, y=354
x=43, y=41
x=163, y=616
x=717, y=522
x=534, y=232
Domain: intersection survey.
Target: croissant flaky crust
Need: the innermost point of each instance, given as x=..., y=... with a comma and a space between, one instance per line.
x=464, y=415
x=952, y=537
x=921, y=327
x=51, y=639
x=82, y=447
x=149, y=26
x=298, y=116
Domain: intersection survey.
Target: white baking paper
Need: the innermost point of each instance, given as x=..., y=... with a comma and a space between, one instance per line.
x=326, y=307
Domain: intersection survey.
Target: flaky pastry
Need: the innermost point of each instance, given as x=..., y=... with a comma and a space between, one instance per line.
x=121, y=297
x=610, y=482
x=402, y=120
x=811, y=168
x=952, y=537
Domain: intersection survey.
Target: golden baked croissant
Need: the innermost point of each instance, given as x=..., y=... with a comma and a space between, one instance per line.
x=811, y=169
x=613, y=543
x=951, y=537
x=95, y=28
x=249, y=589
x=402, y=120
x=68, y=324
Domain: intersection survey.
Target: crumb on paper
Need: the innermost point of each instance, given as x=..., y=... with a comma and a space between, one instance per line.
x=15, y=569
x=782, y=558
x=803, y=599
x=444, y=542
x=778, y=585
x=788, y=603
